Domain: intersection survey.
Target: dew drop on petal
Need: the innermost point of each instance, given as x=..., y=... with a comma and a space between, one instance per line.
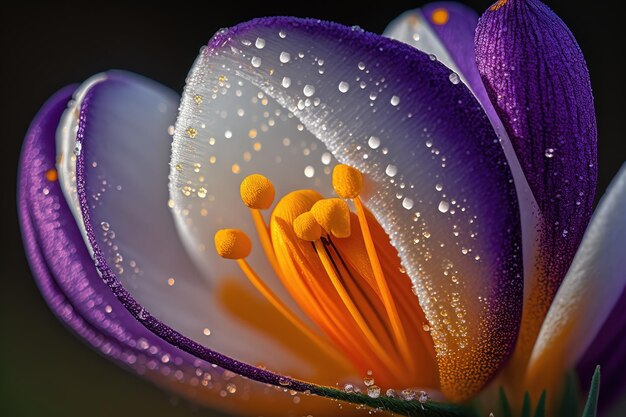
x=285, y=57
x=454, y=78
x=308, y=90
x=286, y=82
x=391, y=170
x=395, y=100
x=444, y=206
x=77, y=148
x=256, y=61
x=373, y=142
x=260, y=43
x=549, y=153
x=344, y=87
x=407, y=203
x=373, y=391
x=309, y=171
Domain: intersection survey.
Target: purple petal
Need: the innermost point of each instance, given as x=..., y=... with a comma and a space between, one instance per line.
x=70, y=283
x=537, y=79
x=590, y=290
x=439, y=181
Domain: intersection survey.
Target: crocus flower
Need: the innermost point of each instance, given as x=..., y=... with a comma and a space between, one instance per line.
x=414, y=224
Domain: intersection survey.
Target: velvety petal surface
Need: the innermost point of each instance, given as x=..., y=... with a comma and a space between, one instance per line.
x=538, y=82
x=438, y=180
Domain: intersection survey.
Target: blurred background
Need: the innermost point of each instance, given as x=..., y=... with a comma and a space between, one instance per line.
x=44, y=369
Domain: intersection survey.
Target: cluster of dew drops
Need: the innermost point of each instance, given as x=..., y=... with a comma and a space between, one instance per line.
x=374, y=391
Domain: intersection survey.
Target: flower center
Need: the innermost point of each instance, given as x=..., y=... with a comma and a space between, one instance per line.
x=343, y=273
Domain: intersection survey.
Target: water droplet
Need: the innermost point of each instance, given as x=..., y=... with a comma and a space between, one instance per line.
x=373, y=391
x=391, y=393
x=432, y=57
x=308, y=90
x=284, y=382
x=260, y=43
x=426, y=327
x=549, y=152
x=309, y=171
x=444, y=206
x=285, y=57
x=395, y=100
x=408, y=394
x=439, y=187
x=231, y=388
x=326, y=158
x=105, y=226
x=361, y=66
x=108, y=309
x=349, y=388
x=286, y=82
x=407, y=203
x=344, y=87
x=391, y=170
x=143, y=314
x=77, y=148
x=454, y=78
x=256, y=61
x=368, y=381
x=373, y=142
x=423, y=397
x=416, y=36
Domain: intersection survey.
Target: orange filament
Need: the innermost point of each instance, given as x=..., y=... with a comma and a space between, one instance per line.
x=345, y=276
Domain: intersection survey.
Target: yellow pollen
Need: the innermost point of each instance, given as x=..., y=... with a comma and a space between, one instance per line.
x=257, y=192
x=52, y=175
x=347, y=181
x=440, y=16
x=333, y=214
x=306, y=227
x=232, y=244
x=497, y=5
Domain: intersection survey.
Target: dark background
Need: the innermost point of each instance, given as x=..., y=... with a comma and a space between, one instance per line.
x=45, y=370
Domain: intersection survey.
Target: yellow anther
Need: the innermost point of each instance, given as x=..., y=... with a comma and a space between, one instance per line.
x=232, y=244
x=347, y=181
x=440, y=16
x=257, y=192
x=306, y=227
x=333, y=214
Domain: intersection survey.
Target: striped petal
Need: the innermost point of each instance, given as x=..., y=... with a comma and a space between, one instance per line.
x=590, y=291
x=537, y=80
x=439, y=182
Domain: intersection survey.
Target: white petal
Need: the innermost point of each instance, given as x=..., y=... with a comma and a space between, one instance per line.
x=591, y=287
x=126, y=150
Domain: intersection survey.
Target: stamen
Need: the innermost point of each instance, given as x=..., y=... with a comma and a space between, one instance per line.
x=354, y=311
x=235, y=244
x=257, y=192
x=348, y=181
x=333, y=214
x=306, y=227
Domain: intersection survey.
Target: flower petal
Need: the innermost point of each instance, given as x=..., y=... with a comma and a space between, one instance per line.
x=438, y=180
x=65, y=272
x=72, y=286
x=537, y=80
x=590, y=291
